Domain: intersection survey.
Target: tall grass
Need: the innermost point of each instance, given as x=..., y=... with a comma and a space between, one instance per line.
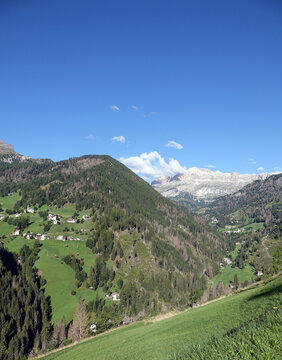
x=256, y=339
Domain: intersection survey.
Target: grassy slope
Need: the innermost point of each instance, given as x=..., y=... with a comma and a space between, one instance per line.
x=5, y=228
x=59, y=276
x=179, y=334
x=8, y=202
x=228, y=273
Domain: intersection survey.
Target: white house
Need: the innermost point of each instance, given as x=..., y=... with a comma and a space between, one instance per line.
x=16, y=231
x=85, y=217
x=2, y=217
x=227, y=261
x=71, y=221
x=93, y=327
x=115, y=296
x=29, y=236
x=29, y=210
x=260, y=273
x=54, y=218
x=43, y=237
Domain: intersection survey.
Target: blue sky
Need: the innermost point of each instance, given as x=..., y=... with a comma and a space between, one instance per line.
x=162, y=85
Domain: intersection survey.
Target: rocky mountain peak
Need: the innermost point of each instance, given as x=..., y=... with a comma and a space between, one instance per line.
x=204, y=184
x=6, y=148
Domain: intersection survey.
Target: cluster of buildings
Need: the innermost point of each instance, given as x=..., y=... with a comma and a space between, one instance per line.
x=230, y=229
x=55, y=218
x=64, y=238
x=73, y=221
x=32, y=235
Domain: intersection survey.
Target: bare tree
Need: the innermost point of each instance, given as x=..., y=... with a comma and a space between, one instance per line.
x=59, y=332
x=79, y=328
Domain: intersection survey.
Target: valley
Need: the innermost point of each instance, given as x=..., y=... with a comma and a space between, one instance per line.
x=97, y=233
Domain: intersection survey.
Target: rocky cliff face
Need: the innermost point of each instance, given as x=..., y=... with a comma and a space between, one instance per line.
x=6, y=148
x=204, y=184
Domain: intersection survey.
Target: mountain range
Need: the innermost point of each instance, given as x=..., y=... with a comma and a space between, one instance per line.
x=203, y=184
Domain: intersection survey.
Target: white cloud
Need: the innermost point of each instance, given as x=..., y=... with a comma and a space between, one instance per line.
x=277, y=168
x=152, y=165
x=150, y=114
x=120, y=139
x=260, y=168
x=174, y=144
x=252, y=161
x=210, y=166
x=114, y=108
x=89, y=137
x=134, y=107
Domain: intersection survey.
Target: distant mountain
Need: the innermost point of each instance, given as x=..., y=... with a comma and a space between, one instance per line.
x=257, y=200
x=9, y=155
x=203, y=184
x=253, y=217
x=6, y=148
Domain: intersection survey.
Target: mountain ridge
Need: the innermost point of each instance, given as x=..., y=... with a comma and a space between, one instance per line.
x=204, y=184
x=6, y=148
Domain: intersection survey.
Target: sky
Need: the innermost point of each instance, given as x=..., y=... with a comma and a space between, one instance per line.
x=160, y=85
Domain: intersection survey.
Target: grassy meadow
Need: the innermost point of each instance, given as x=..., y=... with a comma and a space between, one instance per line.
x=59, y=276
x=8, y=202
x=227, y=274
x=224, y=324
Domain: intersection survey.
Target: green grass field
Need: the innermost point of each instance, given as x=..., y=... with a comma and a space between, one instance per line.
x=8, y=202
x=180, y=336
x=254, y=226
x=5, y=228
x=59, y=276
x=227, y=274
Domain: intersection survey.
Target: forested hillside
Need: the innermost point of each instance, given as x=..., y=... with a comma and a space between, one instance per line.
x=25, y=313
x=251, y=217
x=108, y=235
